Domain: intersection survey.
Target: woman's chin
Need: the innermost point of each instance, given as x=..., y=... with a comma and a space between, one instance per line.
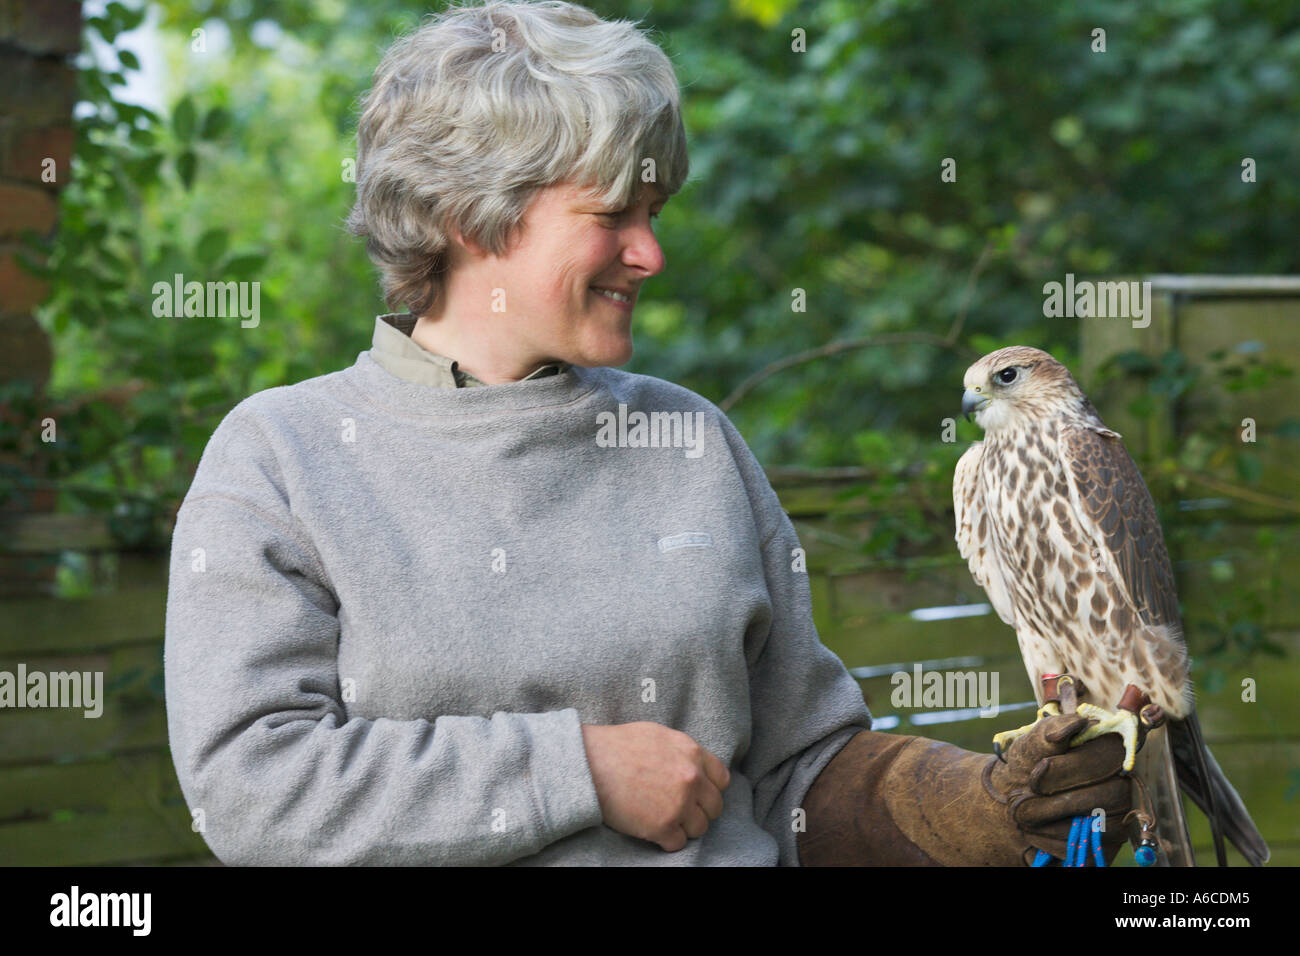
x=614, y=353
x=623, y=356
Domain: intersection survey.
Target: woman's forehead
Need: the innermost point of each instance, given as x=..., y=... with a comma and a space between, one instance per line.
x=580, y=192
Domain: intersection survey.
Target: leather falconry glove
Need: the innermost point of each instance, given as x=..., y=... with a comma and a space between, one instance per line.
x=888, y=800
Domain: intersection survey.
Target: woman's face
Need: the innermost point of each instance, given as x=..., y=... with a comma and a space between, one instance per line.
x=568, y=244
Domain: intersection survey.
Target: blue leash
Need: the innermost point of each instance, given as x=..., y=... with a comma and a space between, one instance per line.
x=1083, y=835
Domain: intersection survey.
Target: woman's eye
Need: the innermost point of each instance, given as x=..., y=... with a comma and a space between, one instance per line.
x=1007, y=376
x=620, y=213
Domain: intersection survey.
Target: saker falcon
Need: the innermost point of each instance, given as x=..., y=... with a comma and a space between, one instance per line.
x=1061, y=532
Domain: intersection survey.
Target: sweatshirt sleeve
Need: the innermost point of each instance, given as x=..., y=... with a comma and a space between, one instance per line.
x=273, y=771
x=805, y=704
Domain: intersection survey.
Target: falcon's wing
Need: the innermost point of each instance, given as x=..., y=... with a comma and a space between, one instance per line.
x=1111, y=497
x=975, y=536
x=1114, y=505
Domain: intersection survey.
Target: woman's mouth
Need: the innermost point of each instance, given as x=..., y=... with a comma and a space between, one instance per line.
x=617, y=298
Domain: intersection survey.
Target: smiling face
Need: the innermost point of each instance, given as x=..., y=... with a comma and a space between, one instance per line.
x=568, y=245
x=573, y=245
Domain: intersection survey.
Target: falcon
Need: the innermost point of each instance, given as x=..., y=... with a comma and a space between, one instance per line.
x=1061, y=533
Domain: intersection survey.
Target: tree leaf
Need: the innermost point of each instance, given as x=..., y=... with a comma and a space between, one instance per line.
x=215, y=123
x=104, y=27
x=211, y=246
x=245, y=265
x=186, y=164
x=128, y=18
x=184, y=117
x=145, y=169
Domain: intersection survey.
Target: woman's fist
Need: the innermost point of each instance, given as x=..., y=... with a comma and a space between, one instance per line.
x=653, y=782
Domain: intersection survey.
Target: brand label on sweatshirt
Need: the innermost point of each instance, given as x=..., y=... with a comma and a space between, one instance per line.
x=687, y=539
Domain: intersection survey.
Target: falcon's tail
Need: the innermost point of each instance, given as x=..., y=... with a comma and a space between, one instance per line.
x=1154, y=766
x=1219, y=800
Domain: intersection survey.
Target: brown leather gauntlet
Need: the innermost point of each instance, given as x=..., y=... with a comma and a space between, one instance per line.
x=887, y=800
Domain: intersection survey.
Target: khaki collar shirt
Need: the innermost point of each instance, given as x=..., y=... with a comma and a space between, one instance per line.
x=395, y=351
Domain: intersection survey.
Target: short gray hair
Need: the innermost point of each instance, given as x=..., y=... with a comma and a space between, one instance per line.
x=481, y=107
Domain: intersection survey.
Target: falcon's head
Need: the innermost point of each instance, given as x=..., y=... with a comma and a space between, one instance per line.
x=1016, y=386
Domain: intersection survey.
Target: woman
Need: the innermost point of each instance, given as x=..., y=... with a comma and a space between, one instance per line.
x=480, y=597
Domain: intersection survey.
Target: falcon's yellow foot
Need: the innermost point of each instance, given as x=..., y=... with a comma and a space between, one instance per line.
x=1003, y=740
x=1117, y=722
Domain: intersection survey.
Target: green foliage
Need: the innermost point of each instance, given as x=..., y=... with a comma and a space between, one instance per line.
x=828, y=164
x=817, y=170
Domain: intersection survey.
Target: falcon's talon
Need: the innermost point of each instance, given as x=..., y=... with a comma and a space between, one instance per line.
x=1120, y=722
x=1004, y=739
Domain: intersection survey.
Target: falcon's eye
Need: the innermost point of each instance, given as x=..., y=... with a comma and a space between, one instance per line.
x=1007, y=376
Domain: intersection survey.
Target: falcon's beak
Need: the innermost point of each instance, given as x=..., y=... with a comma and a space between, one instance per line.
x=972, y=402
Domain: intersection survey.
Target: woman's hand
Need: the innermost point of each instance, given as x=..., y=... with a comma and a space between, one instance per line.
x=653, y=782
x=893, y=800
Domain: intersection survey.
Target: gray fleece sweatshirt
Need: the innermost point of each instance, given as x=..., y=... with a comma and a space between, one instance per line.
x=392, y=607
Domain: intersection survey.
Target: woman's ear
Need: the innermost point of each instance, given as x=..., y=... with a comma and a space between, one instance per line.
x=473, y=248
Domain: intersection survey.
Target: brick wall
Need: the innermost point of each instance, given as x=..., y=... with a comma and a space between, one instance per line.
x=37, y=41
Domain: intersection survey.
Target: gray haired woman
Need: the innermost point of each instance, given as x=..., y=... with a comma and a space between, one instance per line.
x=481, y=598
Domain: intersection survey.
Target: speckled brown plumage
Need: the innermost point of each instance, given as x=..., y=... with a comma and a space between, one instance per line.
x=1059, y=529
x=1081, y=570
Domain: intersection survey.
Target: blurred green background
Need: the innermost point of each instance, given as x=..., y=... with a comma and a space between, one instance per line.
x=817, y=171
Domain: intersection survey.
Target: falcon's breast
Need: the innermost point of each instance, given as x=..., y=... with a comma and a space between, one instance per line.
x=1050, y=572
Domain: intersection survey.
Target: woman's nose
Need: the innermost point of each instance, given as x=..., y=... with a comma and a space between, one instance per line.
x=641, y=248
